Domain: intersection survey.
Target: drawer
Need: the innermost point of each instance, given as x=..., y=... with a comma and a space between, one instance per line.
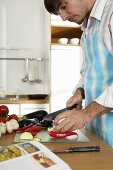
x=28, y=108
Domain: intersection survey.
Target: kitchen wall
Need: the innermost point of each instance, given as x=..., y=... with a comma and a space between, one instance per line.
x=23, y=28
x=66, y=62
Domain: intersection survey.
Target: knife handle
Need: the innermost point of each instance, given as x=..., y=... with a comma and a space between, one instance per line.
x=72, y=107
x=85, y=149
x=54, y=114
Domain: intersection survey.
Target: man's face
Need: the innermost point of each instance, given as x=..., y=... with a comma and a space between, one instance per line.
x=73, y=10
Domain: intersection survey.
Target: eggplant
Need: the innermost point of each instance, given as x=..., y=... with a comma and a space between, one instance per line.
x=26, y=122
x=40, y=114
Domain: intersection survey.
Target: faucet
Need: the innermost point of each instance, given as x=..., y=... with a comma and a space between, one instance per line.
x=26, y=78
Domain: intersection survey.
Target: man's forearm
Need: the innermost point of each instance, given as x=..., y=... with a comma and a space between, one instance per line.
x=94, y=110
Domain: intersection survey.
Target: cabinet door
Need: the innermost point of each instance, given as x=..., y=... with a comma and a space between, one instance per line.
x=13, y=108
x=65, y=73
x=28, y=108
x=22, y=26
x=22, y=34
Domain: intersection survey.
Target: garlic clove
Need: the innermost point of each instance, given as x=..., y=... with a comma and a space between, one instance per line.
x=14, y=123
x=0, y=133
x=3, y=128
x=9, y=127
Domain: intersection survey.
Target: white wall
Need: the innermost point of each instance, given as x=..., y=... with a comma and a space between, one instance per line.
x=65, y=73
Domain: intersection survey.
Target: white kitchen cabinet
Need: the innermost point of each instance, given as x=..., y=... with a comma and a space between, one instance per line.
x=65, y=73
x=23, y=28
x=13, y=108
x=22, y=109
x=28, y=108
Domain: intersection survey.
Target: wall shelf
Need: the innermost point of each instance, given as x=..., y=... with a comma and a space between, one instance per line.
x=13, y=49
x=67, y=32
x=31, y=59
x=64, y=29
x=65, y=44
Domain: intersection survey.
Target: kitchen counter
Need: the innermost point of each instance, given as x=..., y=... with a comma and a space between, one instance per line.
x=26, y=104
x=102, y=160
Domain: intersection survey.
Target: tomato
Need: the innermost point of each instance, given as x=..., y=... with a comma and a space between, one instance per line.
x=4, y=110
x=13, y=116
x=3, y=119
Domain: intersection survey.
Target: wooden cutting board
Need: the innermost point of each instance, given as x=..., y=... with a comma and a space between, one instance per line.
x=44, y=136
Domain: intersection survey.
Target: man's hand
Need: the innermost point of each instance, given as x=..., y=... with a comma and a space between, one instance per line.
x=75, y=99
x=72, y=120
x=77, y=119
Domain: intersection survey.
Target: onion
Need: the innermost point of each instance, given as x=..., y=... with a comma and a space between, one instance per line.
x=26, y=136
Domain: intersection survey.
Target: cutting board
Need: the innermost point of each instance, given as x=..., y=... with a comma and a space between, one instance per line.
x=44, y=136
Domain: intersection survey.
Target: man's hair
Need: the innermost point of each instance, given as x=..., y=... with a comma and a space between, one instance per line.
x=52, y=6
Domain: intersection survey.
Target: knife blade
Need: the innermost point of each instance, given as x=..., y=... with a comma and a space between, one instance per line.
x=78, y=149
x=50, y=117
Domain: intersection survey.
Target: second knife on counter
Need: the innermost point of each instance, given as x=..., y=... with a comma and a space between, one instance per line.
x=78, y=149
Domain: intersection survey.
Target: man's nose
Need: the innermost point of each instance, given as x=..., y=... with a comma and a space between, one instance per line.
x=63, y=15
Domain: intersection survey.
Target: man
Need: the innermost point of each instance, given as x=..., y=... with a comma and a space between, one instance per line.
x=96, y=19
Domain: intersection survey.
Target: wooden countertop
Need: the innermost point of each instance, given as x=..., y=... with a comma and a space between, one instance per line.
x=102, y=160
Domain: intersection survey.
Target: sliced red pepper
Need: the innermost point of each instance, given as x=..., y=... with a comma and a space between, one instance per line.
x=23, y=128
x=34, y=133
x=61, y=134
x=33, y=129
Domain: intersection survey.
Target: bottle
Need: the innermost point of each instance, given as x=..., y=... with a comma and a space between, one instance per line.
x=17, y=96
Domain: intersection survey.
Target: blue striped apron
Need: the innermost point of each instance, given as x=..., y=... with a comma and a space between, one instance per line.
x=98, y=74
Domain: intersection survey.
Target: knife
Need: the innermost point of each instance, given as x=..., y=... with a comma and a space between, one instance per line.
x=78, y=149
x=48, y=119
